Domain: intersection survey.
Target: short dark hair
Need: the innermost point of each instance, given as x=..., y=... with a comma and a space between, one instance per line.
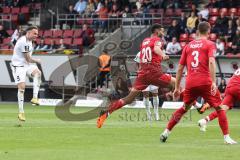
x=31, y=28
x=105, y=51
x=203, y=27
x=155, y=27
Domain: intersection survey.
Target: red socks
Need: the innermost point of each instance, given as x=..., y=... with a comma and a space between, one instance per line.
x=211, y=116
x=223, y=122
x=116, y=105
x=177, y=115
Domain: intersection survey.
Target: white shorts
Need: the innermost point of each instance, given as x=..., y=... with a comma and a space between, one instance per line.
x=151, y=88
x=20, y=73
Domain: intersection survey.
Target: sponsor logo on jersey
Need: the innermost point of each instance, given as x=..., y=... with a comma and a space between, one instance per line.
x=198, y=45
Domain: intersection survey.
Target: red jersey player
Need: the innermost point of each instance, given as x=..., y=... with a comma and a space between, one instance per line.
x=149, y=72
x=198, y=57
x=232, y=94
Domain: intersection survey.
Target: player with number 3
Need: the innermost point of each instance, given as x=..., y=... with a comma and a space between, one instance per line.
x=198, y=57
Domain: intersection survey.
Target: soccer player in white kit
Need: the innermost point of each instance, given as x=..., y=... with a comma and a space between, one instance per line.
x=154, y=90
x=22, y=66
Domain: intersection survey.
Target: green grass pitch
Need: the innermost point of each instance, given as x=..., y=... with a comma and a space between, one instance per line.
x=126, y=135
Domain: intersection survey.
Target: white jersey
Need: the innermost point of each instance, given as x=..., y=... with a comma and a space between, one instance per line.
x=22, y=47
x=137, y=58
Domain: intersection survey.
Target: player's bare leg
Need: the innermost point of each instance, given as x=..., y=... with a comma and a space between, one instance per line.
x=155, y=104
x=117, y=105
x=177, y=115
x=36, y=74
x=20, y=95
x=172, y=83
x=147, y=104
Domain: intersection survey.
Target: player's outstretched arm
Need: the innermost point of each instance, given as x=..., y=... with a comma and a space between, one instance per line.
x=29, y=59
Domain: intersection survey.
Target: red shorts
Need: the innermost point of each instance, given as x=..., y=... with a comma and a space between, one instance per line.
x=151, y=74
x=232, y=94
x=191, y=94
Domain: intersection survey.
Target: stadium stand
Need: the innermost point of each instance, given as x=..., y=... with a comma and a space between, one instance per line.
x=143, y=13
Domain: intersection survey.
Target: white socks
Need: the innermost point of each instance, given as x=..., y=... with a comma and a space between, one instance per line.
x=197, y=105
x=36, y=84
x=207, y=119
x=20, y=96
x=166, y=132
x=155, y=106
x=147, y=105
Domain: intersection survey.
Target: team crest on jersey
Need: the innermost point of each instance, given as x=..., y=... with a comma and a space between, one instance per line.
x=27, y=48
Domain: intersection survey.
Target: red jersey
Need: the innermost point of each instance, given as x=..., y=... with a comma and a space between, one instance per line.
x=235, y=79
x=196, y=57
x=147, y=54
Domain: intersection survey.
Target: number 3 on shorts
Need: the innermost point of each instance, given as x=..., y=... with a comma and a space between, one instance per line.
x=196, y=61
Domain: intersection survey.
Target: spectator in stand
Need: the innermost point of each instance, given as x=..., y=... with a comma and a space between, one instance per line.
x=177, y=4
x=90, y=8
x=222, y=87
x=109, y=4
x=230, y=32
x=3, y=33
x=199, y=19
x=8, y=3
x=51, y=48
x=221, y=24
x=16, y=34
x=236, y=42
x=80, y=6
x=233, y=18
x=238, y=24
x=220, y=47
x=139, y=4
x=213, y=4
x=87, y=35
x=173, y=48
x=182, y=23
x=204, y=13
x=221, y=3
x=139, y=15
x=191, y=22
x=126, y=12
x=114, y=14
x=98, y=5
x=122, y=4
x=194, y=9
x=157, y=4
x=102, y=18
x=70, y=10
x=167, y=4
x=147, y=4
x=41, y=46
x=232, y=3
x=173, y=31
